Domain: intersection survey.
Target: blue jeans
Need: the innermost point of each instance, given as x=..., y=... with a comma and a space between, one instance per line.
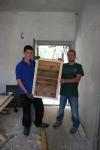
x=73, y=101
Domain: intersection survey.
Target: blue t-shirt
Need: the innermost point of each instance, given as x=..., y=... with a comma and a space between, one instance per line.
x=25, y=72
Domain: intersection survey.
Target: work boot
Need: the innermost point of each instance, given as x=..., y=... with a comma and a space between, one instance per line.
x=73, y=130
x=42, y=125
x=26, y=131
x=57, y=124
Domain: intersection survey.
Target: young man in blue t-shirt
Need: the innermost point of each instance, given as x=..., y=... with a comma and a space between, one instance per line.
x=71, y=76
x=24, y=76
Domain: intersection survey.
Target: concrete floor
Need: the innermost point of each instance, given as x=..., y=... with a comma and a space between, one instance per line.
x=61, y=139
x=58, y=139
x=11, y=125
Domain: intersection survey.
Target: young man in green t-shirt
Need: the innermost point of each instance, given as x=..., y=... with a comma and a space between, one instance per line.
x=71, y=76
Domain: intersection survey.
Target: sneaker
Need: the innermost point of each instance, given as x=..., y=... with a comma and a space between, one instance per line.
x=42, y=125
x=26, y=131
x=57, y=124
x=73, y=130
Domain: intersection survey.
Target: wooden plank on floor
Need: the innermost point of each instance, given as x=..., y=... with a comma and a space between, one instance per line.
x=44, y=143
x=4, y=101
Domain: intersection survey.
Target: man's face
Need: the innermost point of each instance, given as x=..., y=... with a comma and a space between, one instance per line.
x=28, y=54
x=71, y=56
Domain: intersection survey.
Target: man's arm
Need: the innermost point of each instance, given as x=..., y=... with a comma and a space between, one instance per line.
x=20, y=83
x=73, y=80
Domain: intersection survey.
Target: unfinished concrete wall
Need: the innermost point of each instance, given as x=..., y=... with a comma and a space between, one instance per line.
x=38, y=25
x=88, y=51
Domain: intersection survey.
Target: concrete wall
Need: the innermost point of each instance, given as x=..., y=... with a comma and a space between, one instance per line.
x=88, y=51
x=38, y=25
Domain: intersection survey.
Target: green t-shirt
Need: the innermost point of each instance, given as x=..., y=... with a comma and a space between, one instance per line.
x=68, y=72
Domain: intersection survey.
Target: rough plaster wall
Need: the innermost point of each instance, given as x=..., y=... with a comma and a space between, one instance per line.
x=39, y=25
x=6, y=36
x=88, y=50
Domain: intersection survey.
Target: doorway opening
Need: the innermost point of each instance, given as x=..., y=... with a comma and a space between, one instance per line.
x=52, y=50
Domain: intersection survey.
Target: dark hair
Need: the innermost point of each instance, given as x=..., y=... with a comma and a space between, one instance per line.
x=73, y=51
x=28, y=47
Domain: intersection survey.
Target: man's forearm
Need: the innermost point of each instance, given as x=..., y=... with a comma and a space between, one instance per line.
x=20, y=83
x=29, y=95
x=73, y=80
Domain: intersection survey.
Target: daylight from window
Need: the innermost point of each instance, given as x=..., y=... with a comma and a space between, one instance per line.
x=53, y=52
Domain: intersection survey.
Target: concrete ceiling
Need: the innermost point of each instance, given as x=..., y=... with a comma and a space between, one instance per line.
x=42, y=5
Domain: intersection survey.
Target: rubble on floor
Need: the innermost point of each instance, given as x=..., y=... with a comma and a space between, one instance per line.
x=11, y=124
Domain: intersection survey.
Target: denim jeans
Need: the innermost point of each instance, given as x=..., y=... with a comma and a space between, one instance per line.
x=73, y=101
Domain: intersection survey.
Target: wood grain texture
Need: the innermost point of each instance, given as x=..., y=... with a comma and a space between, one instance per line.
x=47, y=77
x=44, y=144
x=4, y=101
